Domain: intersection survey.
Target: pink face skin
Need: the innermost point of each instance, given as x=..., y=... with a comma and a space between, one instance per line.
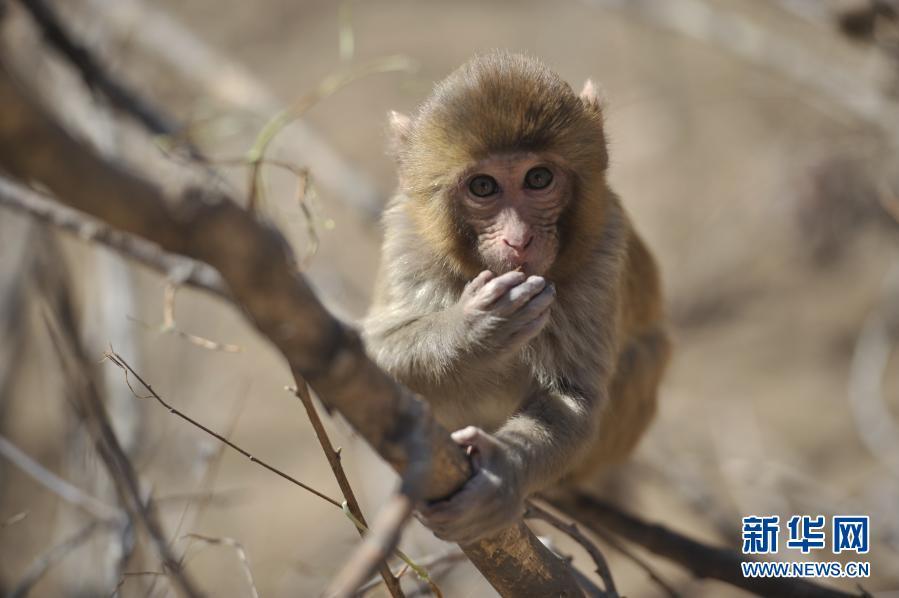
x=514, y=201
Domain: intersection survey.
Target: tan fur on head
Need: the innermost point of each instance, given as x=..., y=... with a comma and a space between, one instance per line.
x=496, y=103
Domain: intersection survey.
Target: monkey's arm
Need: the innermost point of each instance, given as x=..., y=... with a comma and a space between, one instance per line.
x=462, y=340
x=531, y=451
x=549, y=435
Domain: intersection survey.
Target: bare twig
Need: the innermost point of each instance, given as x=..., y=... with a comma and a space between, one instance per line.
x=170, y=326
x=117, y=359
x=127, y=574
x=238, y=549
x=639, y=561
x=383, y=535
x=55, y=484
x=436, y=565
x=702, y=560
x=571, y=529
x=331, y=84
x=201, y=67
x=302, y=393
x=45, y=561
x=90, y=409
x=374, y=549
x=184, y=271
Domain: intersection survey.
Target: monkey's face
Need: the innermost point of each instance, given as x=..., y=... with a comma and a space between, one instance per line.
x=512, y=204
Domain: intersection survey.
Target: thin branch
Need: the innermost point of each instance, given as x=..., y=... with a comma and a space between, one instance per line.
x=125, y=575
x=117, y=359
x=376, y=545
x=302, y=393
x=90, y=409
x=182, y=270
x=238, y=549
x=170, y=326
x=639, y=561
x=51, y=557
x=436, y=565
x=199, y=66
x=700, y=559
x=71, y=494
x=331, y=84
x=572, y=530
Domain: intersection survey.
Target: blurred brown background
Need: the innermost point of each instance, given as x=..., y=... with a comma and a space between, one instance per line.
x=754, y=144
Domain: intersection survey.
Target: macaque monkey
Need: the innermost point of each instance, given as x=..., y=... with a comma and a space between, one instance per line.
x=514, y=294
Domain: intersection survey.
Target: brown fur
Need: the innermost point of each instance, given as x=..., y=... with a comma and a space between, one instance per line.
x=582, y=392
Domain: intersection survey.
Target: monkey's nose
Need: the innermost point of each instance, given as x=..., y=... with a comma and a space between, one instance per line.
x=519, y=247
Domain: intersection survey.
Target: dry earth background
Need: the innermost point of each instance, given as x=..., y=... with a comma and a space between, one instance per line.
x=759, y=194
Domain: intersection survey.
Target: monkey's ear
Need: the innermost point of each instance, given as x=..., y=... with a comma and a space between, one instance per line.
x=400, y=129
x=592, y=97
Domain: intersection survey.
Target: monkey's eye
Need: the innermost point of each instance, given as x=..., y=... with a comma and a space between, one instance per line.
x=483, y=185
x=538, y=177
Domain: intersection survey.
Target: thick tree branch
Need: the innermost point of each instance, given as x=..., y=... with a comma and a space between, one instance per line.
x=95, y=75
x=259, y=268
x=700, y=559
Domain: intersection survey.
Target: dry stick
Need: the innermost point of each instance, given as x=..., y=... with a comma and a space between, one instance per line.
x=329, y=85
x=95, y=75
x=384, y=535
x=175, y=49
x=572, y=530
x=117, y=359
x=376, y=545
x=55, y=484
x=700, y=559
x=127, y=574
x=640, y=562
x=207, y=480
x=91, y=410
x=238, y=549
x=169, y=325
x=206, y=224
x=301, y=391
x=183, y=270
x=432, y=563
x=44, y=562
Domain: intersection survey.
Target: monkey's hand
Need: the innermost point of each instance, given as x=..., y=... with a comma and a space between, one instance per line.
x=491, y=500
x=505, y=312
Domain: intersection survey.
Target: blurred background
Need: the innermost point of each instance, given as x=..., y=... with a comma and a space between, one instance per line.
x=753, y=142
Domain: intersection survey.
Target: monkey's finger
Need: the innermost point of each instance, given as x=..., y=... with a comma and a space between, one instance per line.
x=482, y=442
x=541, y=302
x=518, y=296
x=478, y=282
x=499, y=286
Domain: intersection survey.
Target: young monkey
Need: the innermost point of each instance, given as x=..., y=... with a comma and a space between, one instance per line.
x=514, y=294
